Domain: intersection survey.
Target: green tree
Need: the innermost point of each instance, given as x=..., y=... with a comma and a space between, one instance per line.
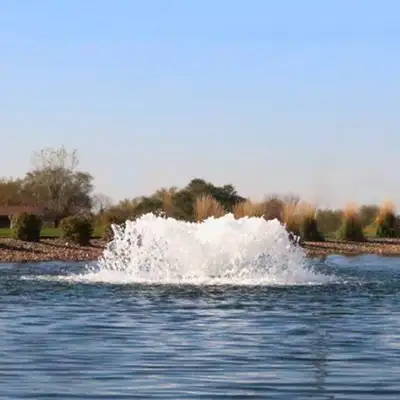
x=226, y=195
x=176, y=203
x=183, y=202
x=148, y=205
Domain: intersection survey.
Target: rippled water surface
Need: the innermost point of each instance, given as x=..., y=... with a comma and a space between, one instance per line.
x=66, y=339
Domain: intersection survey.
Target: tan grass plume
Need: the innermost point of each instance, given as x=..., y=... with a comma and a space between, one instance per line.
x=248, y=209
x=387, y=208
x=206, y=206
x=351, y=210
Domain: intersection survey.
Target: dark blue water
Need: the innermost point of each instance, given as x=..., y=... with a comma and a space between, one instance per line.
x=61, y=340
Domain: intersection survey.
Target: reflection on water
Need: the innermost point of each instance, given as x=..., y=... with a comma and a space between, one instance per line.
x=71, y=340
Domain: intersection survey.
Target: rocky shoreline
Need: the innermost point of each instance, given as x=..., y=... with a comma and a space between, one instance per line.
x=383, y=247
x=14, y=251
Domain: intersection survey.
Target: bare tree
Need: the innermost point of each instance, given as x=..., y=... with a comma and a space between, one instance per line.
x=101, y=202
x=291, y=198
x=55, y=158
x=57, y=186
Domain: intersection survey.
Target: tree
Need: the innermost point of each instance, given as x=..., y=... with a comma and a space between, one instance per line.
x=122, y=211
x=131, y=209
x=100, y=203
x=226, y=195
x=56, y=185
x=179, y=204
x=183, y=202
x=148, y=205
x=12, y=193
x=51, y=158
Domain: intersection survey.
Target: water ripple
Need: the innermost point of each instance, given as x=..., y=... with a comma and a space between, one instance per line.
x=74, y=340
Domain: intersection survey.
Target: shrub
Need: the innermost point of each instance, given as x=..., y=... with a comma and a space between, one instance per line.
x=26, y=227
x=300, y=219
x=329, y=221
x=309, y=226
x=368, y=214
x=248, y=209
x=351, y=228
x=386, y=222
x=78, y=229
x=206, y=206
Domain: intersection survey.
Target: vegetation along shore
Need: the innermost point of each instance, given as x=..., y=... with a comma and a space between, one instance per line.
x=52, y=213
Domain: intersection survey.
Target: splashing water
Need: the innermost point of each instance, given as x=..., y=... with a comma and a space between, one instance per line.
x=245, y=251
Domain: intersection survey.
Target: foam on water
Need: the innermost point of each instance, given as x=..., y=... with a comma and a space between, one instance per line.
x=246, y=251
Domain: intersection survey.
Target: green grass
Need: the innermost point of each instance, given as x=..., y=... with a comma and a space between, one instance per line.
x=46, y=232
x=98, y=231
x=5, y=232
x=370, y=231
x=51, y=232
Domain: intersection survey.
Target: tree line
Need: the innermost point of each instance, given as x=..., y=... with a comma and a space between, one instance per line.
x=60, y=189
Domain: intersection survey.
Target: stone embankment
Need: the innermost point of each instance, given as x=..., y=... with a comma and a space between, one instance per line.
x=12, y=250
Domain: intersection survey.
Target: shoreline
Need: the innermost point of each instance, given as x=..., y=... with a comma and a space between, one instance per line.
x=51, y=249
x=381, y=247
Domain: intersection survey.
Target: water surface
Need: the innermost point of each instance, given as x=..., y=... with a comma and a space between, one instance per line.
x=66, y=339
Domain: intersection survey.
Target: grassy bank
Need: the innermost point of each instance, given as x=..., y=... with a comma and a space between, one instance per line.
x=51, y=233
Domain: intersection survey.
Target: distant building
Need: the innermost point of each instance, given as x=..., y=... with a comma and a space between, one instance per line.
x=7, y=212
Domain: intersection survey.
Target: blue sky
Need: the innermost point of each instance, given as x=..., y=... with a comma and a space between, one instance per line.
x=272, y=96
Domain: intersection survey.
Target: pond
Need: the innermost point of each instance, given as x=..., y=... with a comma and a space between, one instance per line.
x=65, y=338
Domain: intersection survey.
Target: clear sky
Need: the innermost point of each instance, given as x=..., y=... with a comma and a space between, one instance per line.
x=272, y=96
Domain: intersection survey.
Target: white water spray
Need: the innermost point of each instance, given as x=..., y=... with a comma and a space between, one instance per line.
x=245, y=251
